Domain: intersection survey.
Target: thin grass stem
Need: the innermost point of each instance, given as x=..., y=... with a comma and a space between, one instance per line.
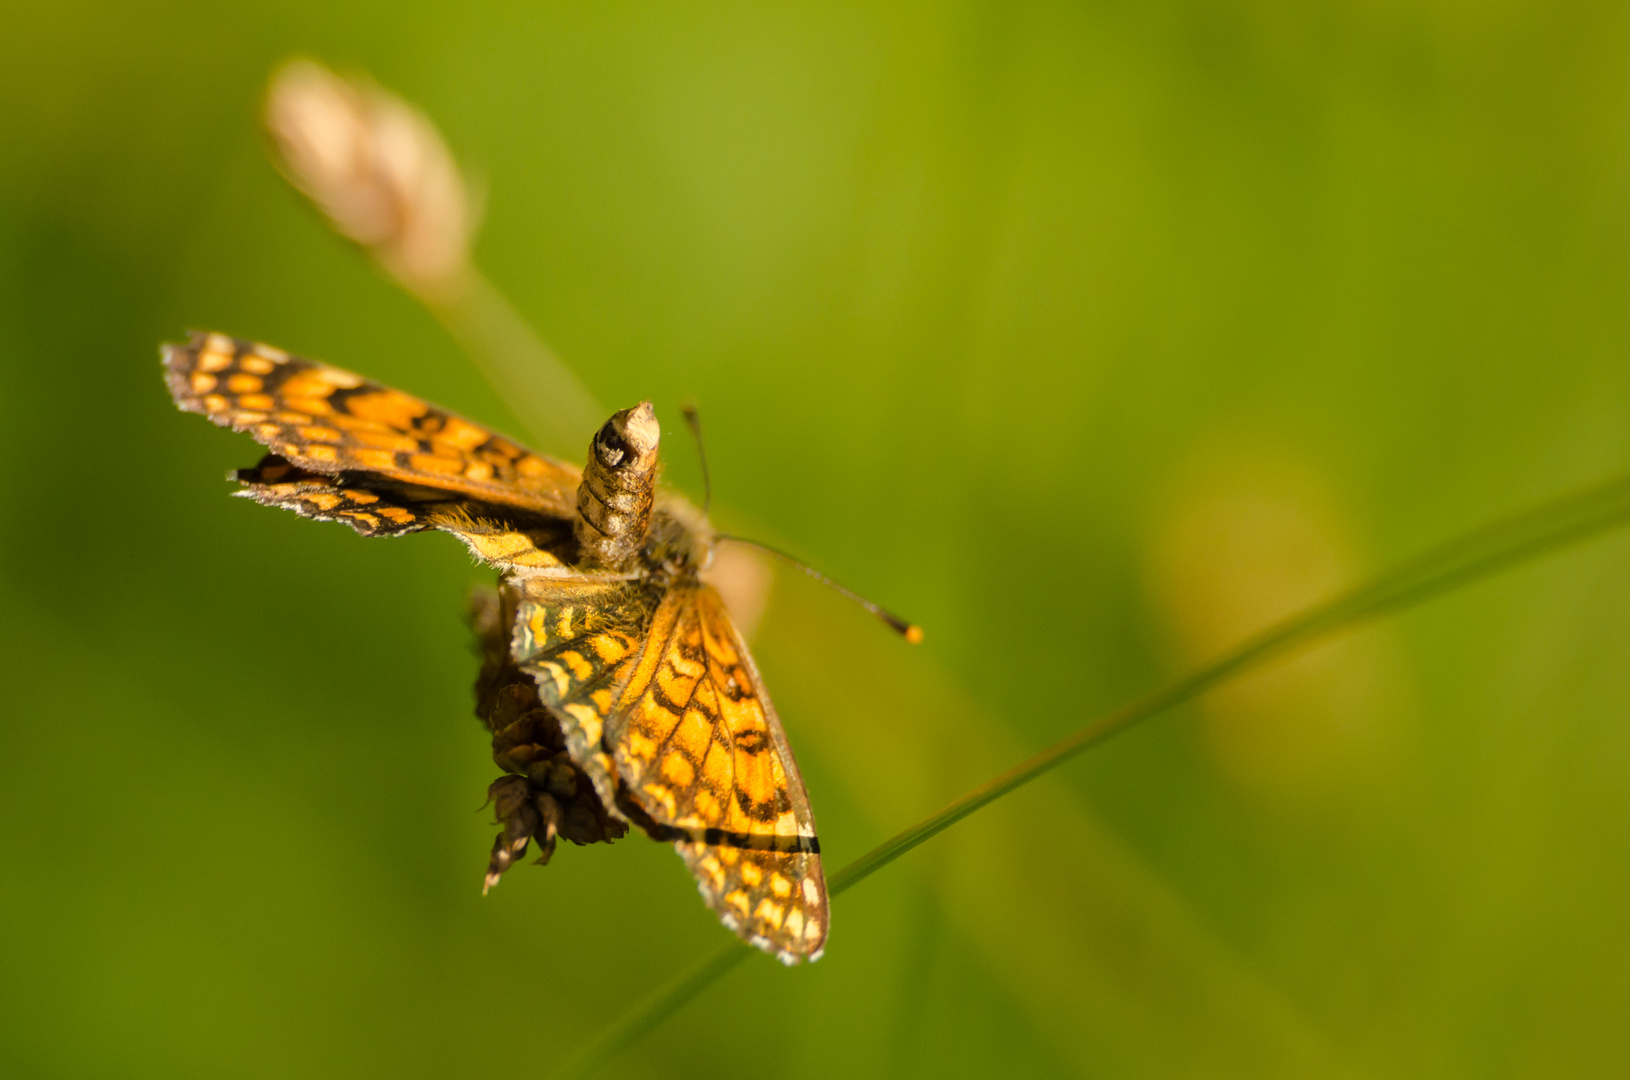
x=559, y=412
x=661, y=1005
x=1471, y=557
x=1448, y=566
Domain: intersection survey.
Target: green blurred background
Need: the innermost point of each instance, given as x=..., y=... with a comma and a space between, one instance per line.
x=1092, y=336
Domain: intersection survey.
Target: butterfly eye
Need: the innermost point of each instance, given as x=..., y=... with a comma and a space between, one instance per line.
x=610, y=447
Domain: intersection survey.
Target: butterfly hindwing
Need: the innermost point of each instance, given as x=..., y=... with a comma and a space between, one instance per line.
x=499, y=536
x=700, y=750
x=580, y=641
x=277, y=482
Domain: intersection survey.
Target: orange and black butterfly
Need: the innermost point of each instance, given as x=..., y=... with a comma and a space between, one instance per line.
x=615, y=685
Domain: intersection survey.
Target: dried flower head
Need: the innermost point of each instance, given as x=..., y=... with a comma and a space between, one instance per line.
x=378, y=168
x=542, y=795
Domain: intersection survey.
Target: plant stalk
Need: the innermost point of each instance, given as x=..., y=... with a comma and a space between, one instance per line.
x=1471, y=557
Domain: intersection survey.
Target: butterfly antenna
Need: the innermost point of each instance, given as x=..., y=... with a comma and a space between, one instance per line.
x=908, y=630
x=694, y=420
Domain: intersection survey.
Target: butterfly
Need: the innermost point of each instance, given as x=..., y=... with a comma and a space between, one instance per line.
x=616, y=687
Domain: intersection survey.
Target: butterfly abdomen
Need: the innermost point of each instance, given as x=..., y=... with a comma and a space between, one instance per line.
x=619, y=487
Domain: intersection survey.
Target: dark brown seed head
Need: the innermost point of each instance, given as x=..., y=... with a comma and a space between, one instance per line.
x=545, y=795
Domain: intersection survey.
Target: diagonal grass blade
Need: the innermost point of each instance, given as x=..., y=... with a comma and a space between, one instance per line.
x=1479, y=554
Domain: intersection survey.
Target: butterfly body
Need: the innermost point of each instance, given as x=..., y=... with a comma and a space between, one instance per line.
x=614, y=683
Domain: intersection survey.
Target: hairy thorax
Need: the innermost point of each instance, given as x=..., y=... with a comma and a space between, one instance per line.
x=679, y=542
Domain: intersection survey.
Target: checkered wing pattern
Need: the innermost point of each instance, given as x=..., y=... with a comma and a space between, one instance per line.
x=580, y=641
x=699, y=749
x=386, y=463
x=656, y=698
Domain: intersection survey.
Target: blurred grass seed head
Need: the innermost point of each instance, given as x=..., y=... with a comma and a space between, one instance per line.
x=378, y=169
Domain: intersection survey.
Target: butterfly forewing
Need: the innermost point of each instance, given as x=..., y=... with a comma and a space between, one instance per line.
x=699, y=748
x=329, y=421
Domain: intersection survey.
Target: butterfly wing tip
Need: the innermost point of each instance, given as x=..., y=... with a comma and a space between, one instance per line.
x=177, y=366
